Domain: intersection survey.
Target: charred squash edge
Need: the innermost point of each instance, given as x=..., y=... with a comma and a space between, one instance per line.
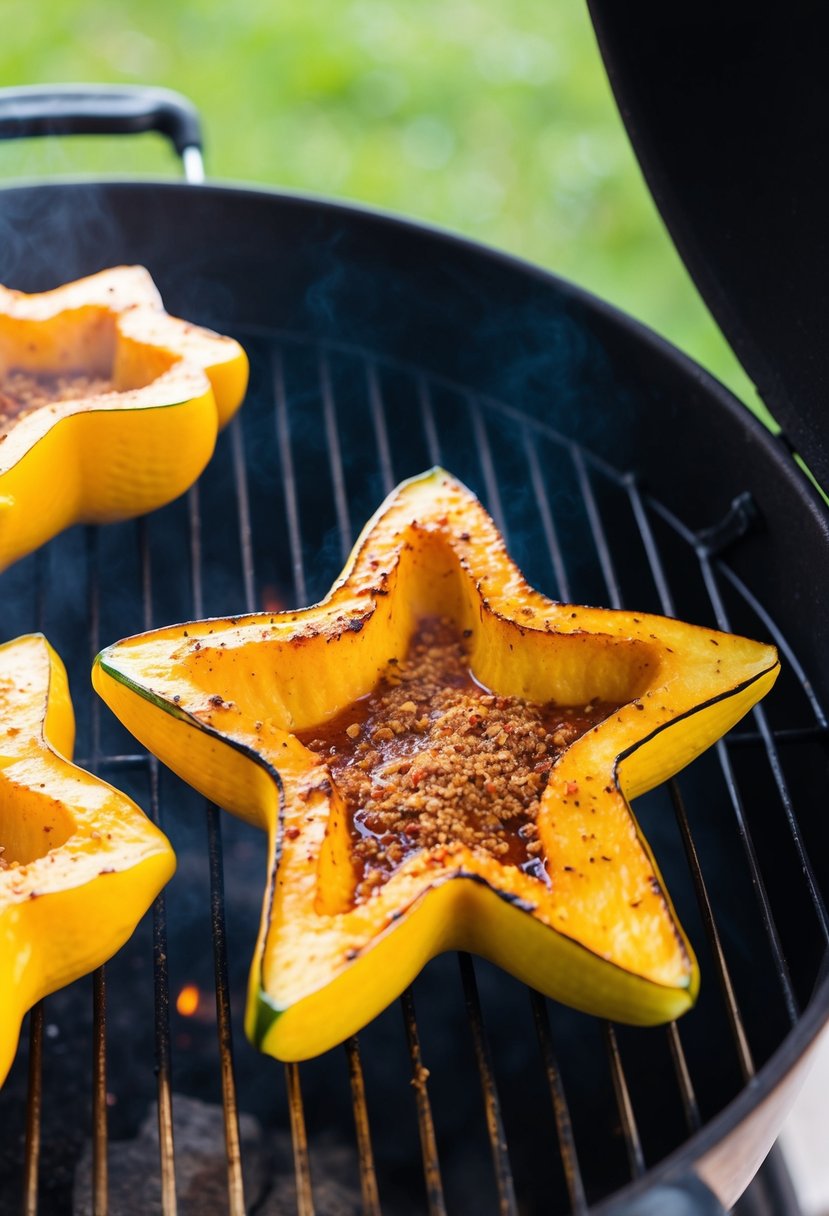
x=160, y=860
x=267, y=1011
x=202, y=373
x=263, y=1010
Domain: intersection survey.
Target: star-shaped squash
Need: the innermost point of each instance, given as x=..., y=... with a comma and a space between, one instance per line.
x=222, y=702
x=158, y=391
x=79, y=862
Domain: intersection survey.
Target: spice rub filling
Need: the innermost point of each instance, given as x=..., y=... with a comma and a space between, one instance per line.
x=431, y=759
x=22, y=392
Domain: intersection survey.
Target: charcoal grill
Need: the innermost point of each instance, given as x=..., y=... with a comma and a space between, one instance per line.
x=621, y=474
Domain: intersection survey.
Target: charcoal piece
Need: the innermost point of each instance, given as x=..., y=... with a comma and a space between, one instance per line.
x=201, y=1169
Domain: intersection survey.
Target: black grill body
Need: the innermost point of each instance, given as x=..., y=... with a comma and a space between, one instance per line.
x=725, y=109
x=621, y=474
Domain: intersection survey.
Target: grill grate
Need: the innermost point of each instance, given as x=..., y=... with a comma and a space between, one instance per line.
x=326, y=432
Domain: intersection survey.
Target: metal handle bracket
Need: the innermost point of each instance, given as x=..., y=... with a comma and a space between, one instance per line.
x=104, y=109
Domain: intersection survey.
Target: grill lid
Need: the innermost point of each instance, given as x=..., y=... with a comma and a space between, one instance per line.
x=727, y=108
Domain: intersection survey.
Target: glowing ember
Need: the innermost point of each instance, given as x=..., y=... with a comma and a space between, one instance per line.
x=272, y=601
x=187, y=1001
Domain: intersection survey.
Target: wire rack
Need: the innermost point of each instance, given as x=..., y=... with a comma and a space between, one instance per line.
x=326, y=432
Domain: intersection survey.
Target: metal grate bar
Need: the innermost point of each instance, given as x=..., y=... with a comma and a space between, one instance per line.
x=770, y=744
x=484, y=450
x=161, y=982
x=427, y=415
x=425, y=1123
x=163, y=1057
x=368, y=1177
x=686, y=1085
x=643, y=523
x=542, y=429
x=93, y=606
x=546, y=516
x=733, y=1011
x=667, y=603
x=785, y=736
x=34, y=1093
x=780, y=640
x=492, y=1107
x=630, y=1131
x=302, y=1163
x=289, y=487
x=507, y=1204
x=413, y=370
x=100, y=1179
x=335, y=457
x=381, y=433
x=772, y=628
x=742, y=826
x=630, y=1128
x=233, y=1153
x=41, y=595
x=561, y=1111
x=761, y=719
x=110, y=762
x=419, y=1074
x=597, y=531
x=194, y=526
x=240, y=476
x=760, y=890
x=235, y=1185
x=724, y=975
x=299, y=1137
x=492, y=404
x=34, y=1106
x=620, y=1087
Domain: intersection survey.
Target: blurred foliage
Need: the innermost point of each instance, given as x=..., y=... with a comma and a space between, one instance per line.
x=490, y=117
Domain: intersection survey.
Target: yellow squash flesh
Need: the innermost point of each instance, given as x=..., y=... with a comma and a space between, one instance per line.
x=121, y=453
x=220, y=702
x=80, y=862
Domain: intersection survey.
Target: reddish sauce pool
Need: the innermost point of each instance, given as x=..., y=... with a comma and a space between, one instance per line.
x=431, y=758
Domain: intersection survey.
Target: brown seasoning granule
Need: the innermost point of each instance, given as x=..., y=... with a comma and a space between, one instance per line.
x=23, y=392
x=470, y=769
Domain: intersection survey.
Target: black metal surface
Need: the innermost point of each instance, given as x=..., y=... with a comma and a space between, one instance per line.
x=103, y=109
x=577, y=430
x=727, y=108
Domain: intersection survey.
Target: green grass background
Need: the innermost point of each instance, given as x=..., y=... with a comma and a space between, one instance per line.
x=492, y=118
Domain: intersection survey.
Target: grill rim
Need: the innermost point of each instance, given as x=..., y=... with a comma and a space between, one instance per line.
x=782, y=1066
x=801, y=1038
x=77, y=187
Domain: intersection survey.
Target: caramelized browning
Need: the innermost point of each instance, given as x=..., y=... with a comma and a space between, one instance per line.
x=430, y=759
x=22, y=392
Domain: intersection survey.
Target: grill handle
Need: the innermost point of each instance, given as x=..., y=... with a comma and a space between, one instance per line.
x=686, y=1197
x=104, y=109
